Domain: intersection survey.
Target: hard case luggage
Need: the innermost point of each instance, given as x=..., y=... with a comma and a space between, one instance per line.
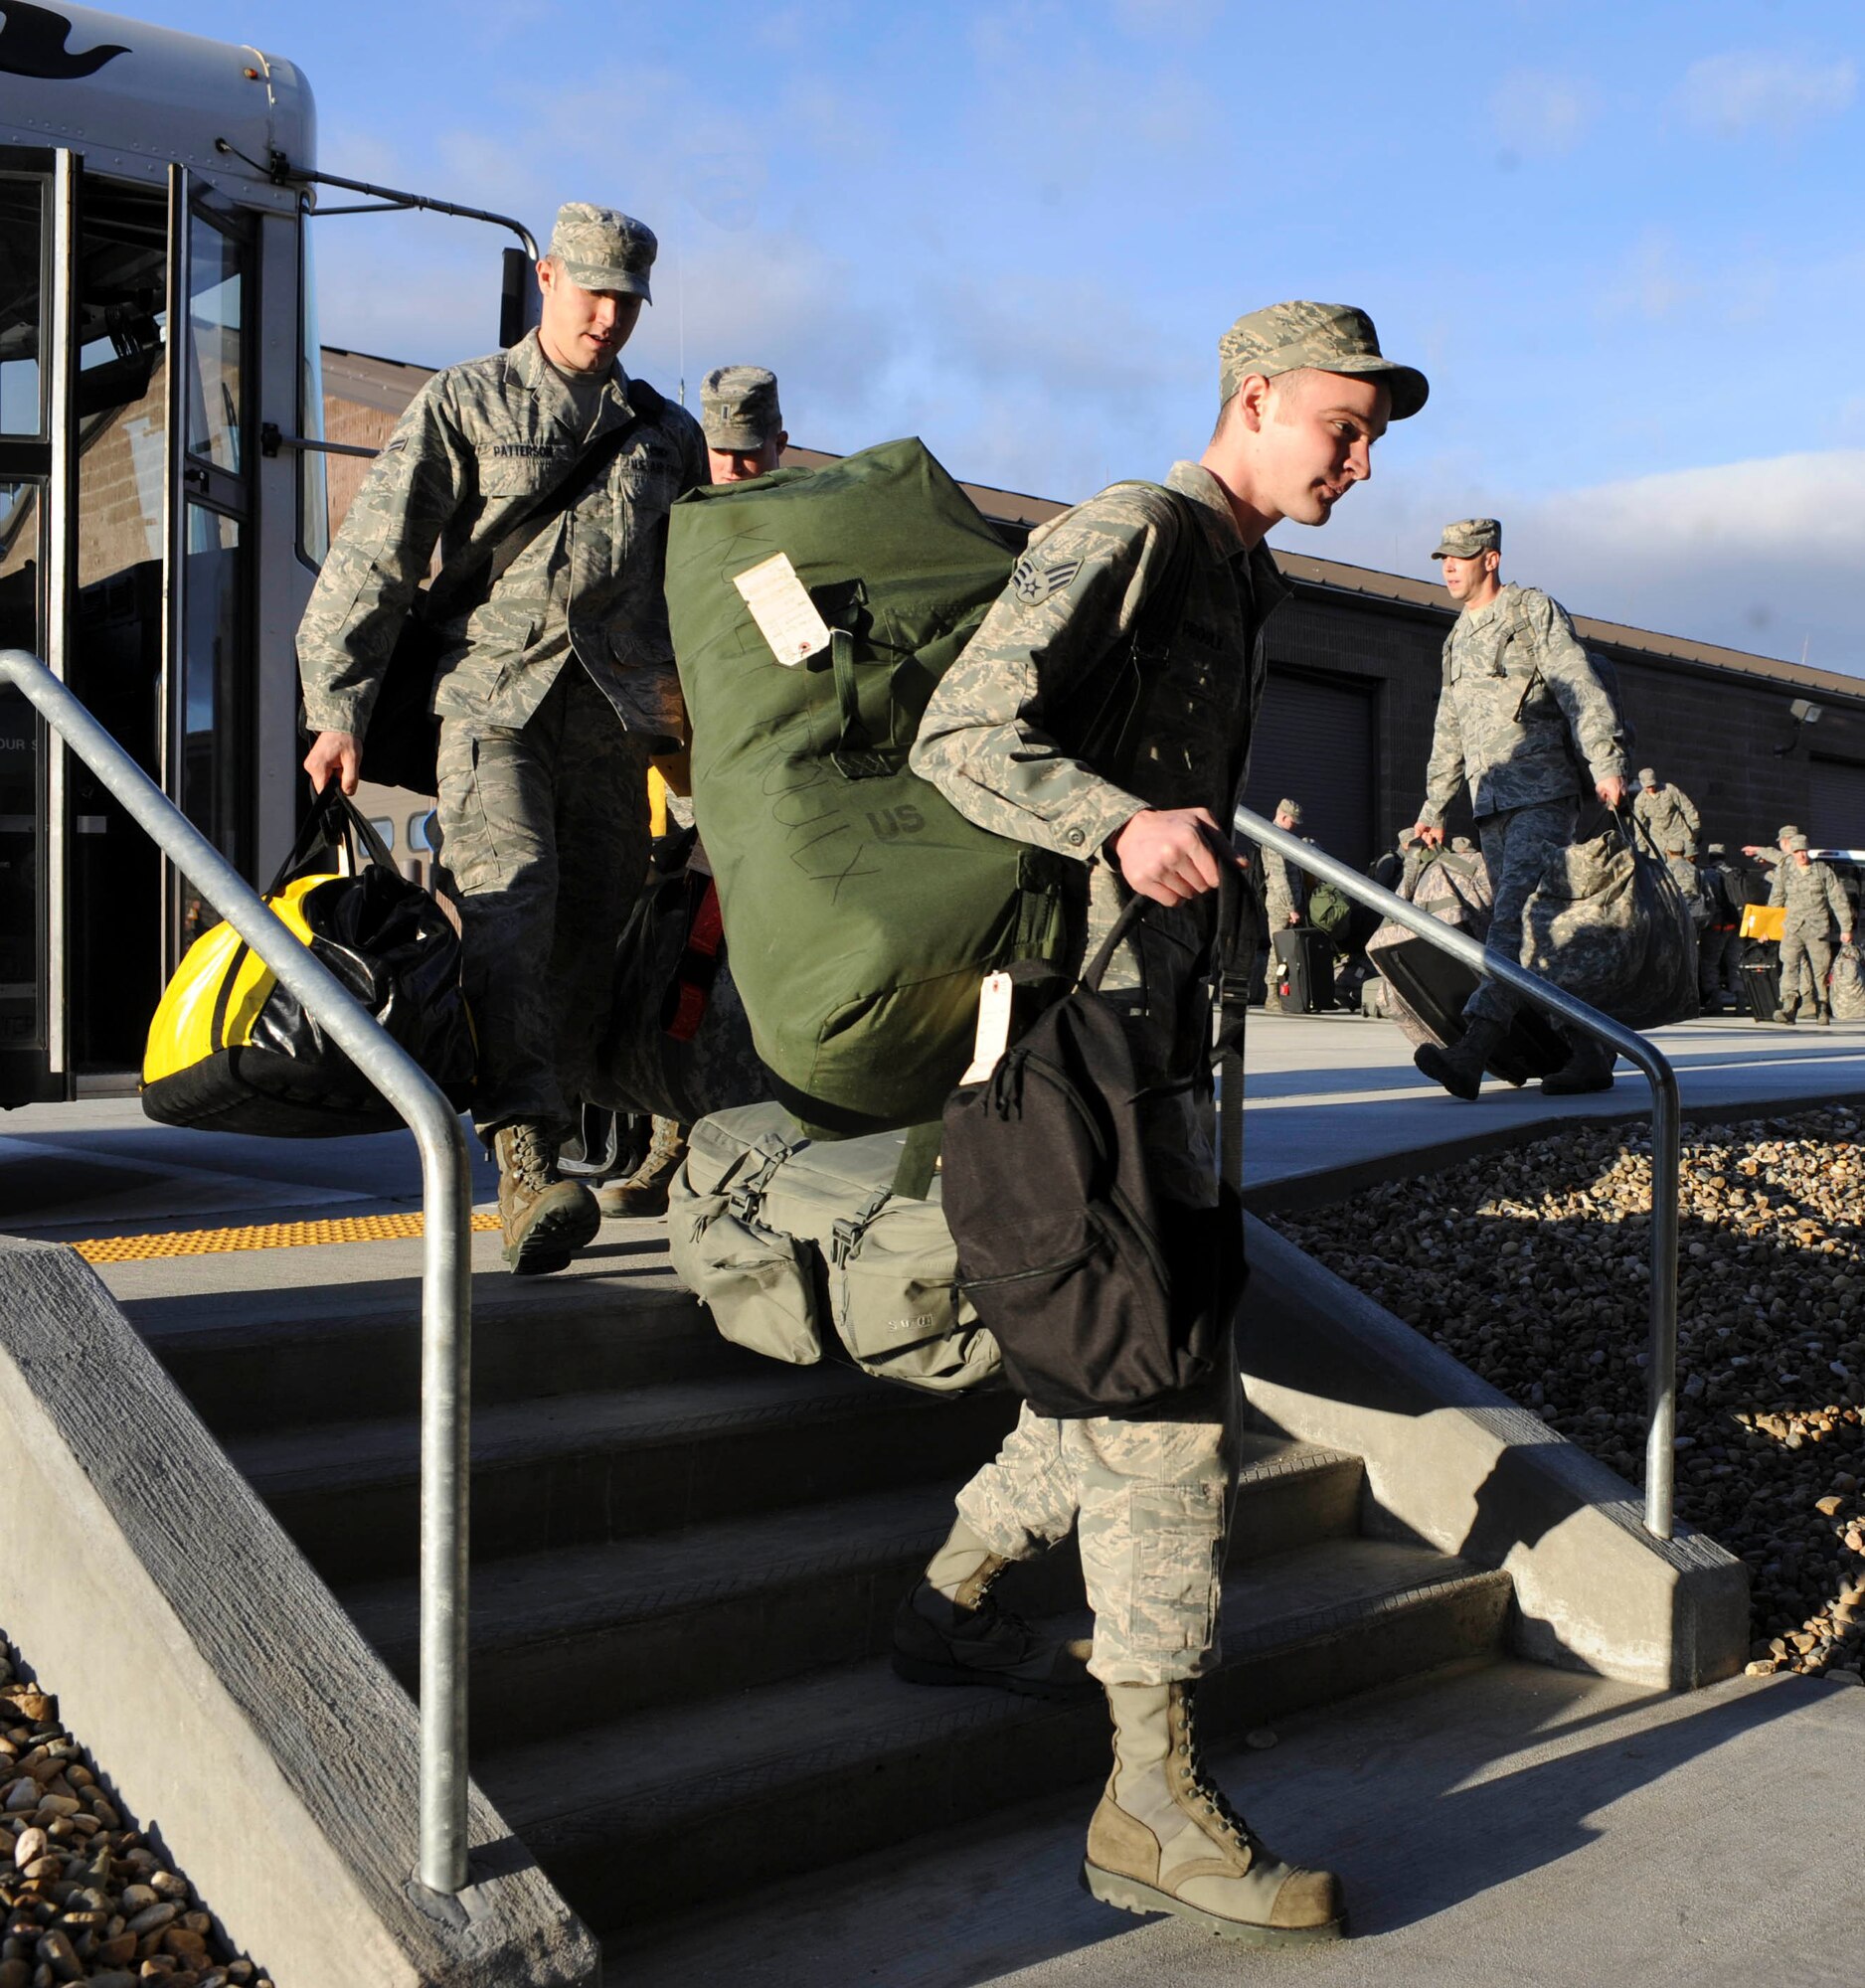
x=1305, y=959
x=796, y=1244
x=1433, y=987
x=1760, y=984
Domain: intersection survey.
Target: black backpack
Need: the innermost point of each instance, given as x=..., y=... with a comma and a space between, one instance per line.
x=1105, y=1297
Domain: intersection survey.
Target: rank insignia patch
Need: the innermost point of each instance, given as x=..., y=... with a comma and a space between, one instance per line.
x=1035, y=583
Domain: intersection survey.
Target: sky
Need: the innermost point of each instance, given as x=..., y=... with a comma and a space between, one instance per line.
x=1625, y=241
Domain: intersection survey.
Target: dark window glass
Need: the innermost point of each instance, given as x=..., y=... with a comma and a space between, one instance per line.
x=22, y=306
x=217, y=316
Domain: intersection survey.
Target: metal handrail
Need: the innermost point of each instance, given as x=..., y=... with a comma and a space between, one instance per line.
x=1666, y=1124
x=446, y=1273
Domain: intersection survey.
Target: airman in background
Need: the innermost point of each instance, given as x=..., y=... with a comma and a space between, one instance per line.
x=1810, y=892
x=556, y=679
x=744, y=438
x=1521, y=702
x=1285, y=894
x=1670, y=816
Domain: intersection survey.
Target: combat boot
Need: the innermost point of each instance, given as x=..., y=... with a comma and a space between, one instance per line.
x=950, y=1631
x=1825, y=1015
x=1789, y=1014
x=644, y=1192
x=1588, y=1067
x=546, y=1219
x=1459, y=1068
x=1166, y=1840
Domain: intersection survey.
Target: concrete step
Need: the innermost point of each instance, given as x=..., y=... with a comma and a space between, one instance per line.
x=575, y=1470
x=663, y=1808
x=591, y=1633
x=1506, y=1824
x=272, y=1357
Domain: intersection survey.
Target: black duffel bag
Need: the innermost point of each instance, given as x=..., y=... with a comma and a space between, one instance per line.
x=1105, y=1297
x=232, y=1051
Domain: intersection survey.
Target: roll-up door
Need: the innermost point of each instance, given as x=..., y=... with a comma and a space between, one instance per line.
x=1835, y=803
x=1315, y=743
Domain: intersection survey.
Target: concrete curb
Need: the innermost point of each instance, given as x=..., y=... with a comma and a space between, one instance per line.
x=1320, y=1186
x=224, y=1693
x=1452, y=1461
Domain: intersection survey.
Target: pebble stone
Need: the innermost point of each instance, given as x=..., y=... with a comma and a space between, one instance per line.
x=1533, y=1269
x=83, y=1897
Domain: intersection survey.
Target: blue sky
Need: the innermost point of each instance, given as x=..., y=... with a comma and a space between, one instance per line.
x=1627, y=243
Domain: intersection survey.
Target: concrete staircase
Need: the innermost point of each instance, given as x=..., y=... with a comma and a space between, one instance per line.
x=686, y=1560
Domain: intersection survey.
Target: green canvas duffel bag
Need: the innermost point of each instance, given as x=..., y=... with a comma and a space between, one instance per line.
x=794, y=1244
x=860, y=910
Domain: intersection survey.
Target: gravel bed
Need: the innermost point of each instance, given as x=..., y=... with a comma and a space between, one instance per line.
x=86, y=1897
x=1532, y=1268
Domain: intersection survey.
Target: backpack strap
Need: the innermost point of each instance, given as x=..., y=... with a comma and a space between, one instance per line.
x=1111, y=738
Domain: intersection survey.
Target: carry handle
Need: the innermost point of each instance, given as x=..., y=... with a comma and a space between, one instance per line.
x=334, y=822
x=854, y=756
x=1133, y=913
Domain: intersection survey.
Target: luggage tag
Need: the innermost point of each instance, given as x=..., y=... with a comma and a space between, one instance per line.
x=993, y=1036
x=779, y=603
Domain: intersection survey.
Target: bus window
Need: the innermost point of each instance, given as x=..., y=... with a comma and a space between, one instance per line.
x=215, y=339
x=384, y=826
x=419, y=830
x=22, y=263
x=213, y=594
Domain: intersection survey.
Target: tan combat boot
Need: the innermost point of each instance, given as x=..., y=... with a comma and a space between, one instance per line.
x=1165, y=1838
x=949, y=1631
x=644, y=1192
x=546, y=1218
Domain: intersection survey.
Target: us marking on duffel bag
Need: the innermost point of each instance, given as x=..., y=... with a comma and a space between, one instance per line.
x=232, y=1051
x=860, y=910
x=794, y=1244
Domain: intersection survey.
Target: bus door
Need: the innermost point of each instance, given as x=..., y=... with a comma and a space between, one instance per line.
x=125, y=562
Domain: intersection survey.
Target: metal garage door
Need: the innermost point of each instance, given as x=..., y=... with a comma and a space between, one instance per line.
x=1315, y=743
x=1836, y=802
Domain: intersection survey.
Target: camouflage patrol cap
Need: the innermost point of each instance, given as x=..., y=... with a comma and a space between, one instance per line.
x=603, y=249
x=1468, y=537
x=1290, y=808
x=1717, y=849
x=1333, y=338
x=1647, y=777
x=1788, y=828
x=1792, y=844
x=739, y=406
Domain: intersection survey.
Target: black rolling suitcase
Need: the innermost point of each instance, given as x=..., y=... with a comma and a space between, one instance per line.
x=1760, y=982
x=1304, y=959
x=1434, y=987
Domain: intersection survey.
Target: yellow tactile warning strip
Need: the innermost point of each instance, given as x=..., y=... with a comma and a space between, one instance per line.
x=271, y=1235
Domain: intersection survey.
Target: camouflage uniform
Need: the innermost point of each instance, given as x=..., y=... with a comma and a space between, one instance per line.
x=542, y=801
x=1809, y=891
x=1671, y=818
x=1149, y=1497
x=1518, y=691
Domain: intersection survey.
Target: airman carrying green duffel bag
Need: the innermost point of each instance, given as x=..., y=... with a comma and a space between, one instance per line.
x=812, y=612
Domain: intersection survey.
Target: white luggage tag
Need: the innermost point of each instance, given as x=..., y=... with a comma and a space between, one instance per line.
x=993, y=1036
x=779, y=603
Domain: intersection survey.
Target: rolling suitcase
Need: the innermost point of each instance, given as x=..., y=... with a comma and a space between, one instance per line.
x=1304, y=959
x=1760, y=982
x=1433, y=987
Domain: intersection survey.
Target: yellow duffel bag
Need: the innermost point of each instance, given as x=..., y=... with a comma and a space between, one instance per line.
x=232, y=1051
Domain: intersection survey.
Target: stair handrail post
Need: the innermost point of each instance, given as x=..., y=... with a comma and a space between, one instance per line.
x=446, y=1272
x=1666, y=1124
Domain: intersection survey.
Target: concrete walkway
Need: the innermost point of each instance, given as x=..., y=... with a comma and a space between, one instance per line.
x=1512, y=1825
x=1325, y=1091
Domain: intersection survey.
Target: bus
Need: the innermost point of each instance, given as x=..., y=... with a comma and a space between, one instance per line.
x=162, y=494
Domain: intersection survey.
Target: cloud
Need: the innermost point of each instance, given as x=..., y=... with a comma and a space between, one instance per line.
x=1652, y=282
x=1761, y=555
x=1538, y=114
x=1736, y=93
